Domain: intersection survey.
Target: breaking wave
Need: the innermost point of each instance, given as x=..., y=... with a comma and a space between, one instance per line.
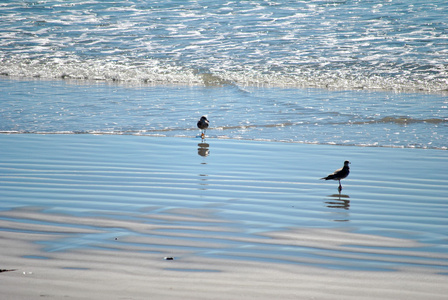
x=153, y=72
x=334, y=45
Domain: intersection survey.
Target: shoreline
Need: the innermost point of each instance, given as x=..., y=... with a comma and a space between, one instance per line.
x=143, y=133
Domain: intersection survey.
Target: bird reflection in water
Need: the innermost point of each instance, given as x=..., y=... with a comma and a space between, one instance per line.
x=339, y=201
x=203, y=149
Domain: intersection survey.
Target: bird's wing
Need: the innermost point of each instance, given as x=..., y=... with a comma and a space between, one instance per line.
x=333, y=175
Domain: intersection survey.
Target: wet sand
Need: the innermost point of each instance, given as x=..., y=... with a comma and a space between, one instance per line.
x=93, y=217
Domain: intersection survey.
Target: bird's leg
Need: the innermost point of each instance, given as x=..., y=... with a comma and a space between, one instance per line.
x=340, y=187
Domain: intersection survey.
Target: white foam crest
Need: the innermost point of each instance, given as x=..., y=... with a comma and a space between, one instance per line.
x=155, y=72
x=149, y=72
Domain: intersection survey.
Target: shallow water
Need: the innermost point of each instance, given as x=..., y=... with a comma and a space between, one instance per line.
x=362, y=118
x=250, y=200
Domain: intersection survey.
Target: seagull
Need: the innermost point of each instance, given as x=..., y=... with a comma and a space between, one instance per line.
x=203, y=125
x=339, y=174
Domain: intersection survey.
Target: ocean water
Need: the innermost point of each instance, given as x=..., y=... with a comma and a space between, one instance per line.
x=331, y=72
x=392, y=45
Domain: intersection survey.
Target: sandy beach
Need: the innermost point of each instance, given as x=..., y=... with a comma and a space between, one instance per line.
x=137, y=217
x=131, y=274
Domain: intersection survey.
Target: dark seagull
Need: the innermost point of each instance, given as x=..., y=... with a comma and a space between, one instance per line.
x=203, y=125
x=339, y=174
